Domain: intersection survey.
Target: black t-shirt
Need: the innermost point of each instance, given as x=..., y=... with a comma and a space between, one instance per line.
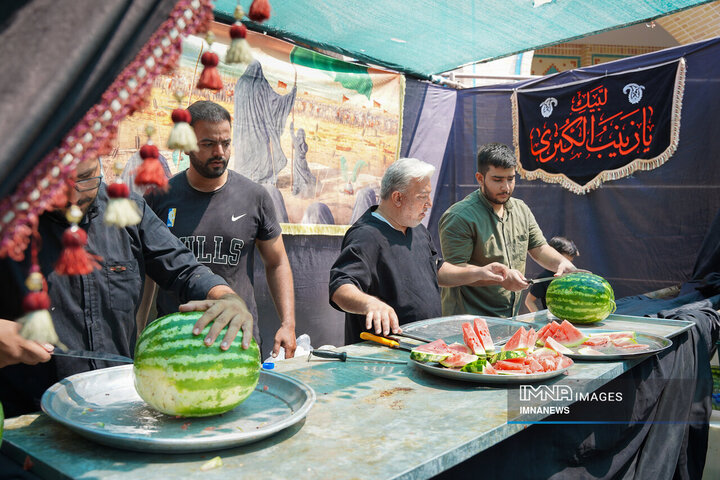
x=398, y=268
x=540, y=289
x=220, y=228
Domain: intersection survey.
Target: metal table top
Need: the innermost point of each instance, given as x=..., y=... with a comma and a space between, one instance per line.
x=374, y=421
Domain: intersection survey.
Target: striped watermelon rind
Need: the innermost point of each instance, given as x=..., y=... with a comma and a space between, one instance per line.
x=580, y=298
x=177, y=374
x=425, y=357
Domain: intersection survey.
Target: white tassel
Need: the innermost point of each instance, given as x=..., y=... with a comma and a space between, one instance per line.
x=122, y=212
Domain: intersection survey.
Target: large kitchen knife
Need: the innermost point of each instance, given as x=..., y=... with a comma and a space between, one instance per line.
x=539, y=280
x=107, y=357
x=388, y=342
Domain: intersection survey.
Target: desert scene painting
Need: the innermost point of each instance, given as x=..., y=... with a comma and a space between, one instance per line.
x=315, y=131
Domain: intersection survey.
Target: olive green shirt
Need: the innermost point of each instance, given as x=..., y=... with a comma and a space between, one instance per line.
x=471, y=232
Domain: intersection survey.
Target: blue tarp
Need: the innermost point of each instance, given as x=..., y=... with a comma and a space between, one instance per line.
x=425, y=37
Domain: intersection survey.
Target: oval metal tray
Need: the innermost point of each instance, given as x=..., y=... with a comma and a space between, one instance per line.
x=483, y=378
x=102, y=405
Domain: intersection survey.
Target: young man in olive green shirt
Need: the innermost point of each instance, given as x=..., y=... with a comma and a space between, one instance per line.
x=490, y=226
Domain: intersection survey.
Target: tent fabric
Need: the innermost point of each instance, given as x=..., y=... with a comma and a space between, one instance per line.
x=641, y=233
x=426, y=37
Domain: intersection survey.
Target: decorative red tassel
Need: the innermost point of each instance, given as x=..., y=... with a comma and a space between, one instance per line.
x=74, y=260
x=239, y=51
x=259, y=11
x=210, y=77
x=150, y=172
x=182, y=137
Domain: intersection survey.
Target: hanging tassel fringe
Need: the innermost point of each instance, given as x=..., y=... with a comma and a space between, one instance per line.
x=74, y=260
x=239, y=51
x=259, y=11
x=121, y=211
x=150, y=172
x=210, y=77
x=182, y=137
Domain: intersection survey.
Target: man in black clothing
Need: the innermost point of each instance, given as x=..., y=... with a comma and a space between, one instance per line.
x=97, y=311
x=389, y=272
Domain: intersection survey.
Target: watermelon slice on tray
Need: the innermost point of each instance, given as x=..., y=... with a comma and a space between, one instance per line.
x=483, y=333
x=431, y=352
x=471, y=339
x=569, y=336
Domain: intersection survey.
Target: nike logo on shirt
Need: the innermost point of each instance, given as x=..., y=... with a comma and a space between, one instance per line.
x=235, y=219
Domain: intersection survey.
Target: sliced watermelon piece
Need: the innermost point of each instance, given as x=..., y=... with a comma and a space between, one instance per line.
x=458, y=360
x=589, y=351
x=568, y=335
x=557, y=346
x=565, y=362
x=624, y=342
x=459, y=348
x=471, y=339
x=483, y=333
x=508, y=365
x=534, y=365
x=489, y=370
x=547, y=331
x=532, y=337
x=506, y=355
x=625, y=334
x=431, y=352
x=545, y=352
x=597, y=341
x=635, y=347
x=549, y=364
x=516, y=341
x=475, y=367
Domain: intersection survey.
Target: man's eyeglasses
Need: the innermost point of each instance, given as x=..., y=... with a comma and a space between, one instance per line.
x=87, y=184
x=209, y=145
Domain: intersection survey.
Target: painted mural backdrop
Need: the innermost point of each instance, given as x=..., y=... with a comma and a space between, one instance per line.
x=317, y=132
x=584, y=133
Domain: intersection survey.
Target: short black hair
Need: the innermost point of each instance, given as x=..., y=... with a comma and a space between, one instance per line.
x=565, y=246
x=207, y=111
x=497, y=155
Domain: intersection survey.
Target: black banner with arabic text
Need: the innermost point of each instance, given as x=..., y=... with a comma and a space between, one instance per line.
x=588, y=132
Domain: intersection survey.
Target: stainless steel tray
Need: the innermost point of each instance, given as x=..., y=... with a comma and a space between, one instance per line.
x=657, y=344
x=483, y=378
x=103, y=406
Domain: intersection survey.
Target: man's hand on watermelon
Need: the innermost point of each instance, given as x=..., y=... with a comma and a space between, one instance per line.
x=514, y=281
x=16, y=349
x=223, y=308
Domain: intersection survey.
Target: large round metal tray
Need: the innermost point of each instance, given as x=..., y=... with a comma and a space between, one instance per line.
x=102, y=405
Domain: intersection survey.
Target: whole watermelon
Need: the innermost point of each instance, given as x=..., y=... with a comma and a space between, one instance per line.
x=580, y=298
x=177, y=374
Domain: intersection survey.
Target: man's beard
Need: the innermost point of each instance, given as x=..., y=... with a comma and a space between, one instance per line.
x=205, y=170
x=493, y=199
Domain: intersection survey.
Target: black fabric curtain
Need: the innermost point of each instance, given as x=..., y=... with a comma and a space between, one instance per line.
x=58, y=57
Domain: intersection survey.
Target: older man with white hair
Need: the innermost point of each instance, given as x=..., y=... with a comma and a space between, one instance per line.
x=389, y=272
